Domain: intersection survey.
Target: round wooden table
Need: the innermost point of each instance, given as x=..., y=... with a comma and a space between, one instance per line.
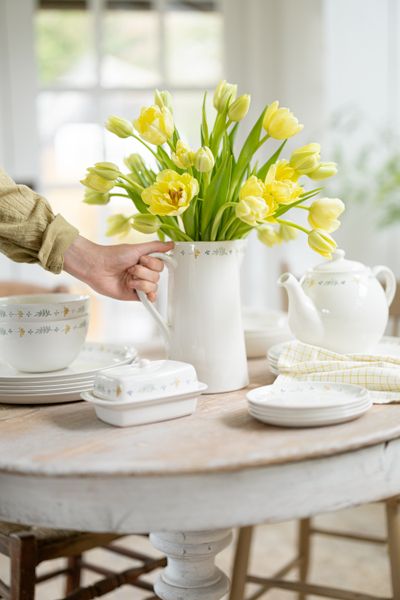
x=189, y=481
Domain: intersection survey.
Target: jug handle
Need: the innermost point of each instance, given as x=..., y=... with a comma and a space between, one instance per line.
x=389, y=279
x=161, y=322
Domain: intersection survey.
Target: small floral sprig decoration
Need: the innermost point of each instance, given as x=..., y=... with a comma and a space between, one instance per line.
x=216, y=192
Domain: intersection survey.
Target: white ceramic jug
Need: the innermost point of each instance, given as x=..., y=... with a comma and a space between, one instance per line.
x=204, y=325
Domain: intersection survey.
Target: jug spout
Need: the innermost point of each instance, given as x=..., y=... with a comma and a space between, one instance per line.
x=304, y=319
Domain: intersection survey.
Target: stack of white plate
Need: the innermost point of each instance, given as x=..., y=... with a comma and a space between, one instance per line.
x=388, y=346
x=308, y=404
x=264, y=328
x=64, y=385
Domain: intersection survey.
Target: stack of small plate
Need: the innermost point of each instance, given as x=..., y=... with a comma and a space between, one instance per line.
x=273, y=355
x=264, y=328
x=308, y=404
x=64, y=385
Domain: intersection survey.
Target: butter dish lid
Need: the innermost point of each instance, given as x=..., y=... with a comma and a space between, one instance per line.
x=145, y=379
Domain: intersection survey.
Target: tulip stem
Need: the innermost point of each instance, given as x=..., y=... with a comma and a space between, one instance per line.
x=295, y=225
x=136, y=137
x=133, y=183
x=217, y=220
x=263, y=140
x=303, y=207
x=120, y=195
x=177, y=231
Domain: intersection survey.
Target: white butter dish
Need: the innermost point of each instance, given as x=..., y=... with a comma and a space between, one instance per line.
x=145, y=380
x=133, y=412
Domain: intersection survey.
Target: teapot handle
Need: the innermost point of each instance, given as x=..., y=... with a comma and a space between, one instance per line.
x=389, y=279
x=161, y=322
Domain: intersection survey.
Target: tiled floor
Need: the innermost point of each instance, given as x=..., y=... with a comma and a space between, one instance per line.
x=362, y=567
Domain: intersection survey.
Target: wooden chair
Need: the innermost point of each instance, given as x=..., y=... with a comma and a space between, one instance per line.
x=27, y=547
x=301, y=561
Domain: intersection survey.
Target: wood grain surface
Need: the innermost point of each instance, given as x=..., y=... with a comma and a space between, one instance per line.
x=68, y=439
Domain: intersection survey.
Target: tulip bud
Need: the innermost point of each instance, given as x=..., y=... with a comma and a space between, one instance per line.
x=93, y=197
x=224, y=92
x=320, y=241
x=146, y=223
x=97, y=183
x=119, y=126
x=306, y=159
x=135, y=162
x=162, y=99
x=239, y=108
x=268, y=235
x=325, y=170
x=204, y=160
x=324, y=212
x=280, y=123
x=287, y=233
x=108, y=170
x=118, y=225
x=183, y=157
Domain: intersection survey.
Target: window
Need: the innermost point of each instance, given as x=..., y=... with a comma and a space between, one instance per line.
x=101, y=57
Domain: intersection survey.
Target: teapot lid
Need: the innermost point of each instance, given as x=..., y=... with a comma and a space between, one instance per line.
x=339, y=264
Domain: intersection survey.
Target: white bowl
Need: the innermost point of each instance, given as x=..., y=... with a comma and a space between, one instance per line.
x=43, y=307
x=263, y=328
x=42, y=346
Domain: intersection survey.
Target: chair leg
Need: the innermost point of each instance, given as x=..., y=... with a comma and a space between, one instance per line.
x=304, y=550
x=241, y=563
x=23, y=557
x=393, y=530
x=73, y=579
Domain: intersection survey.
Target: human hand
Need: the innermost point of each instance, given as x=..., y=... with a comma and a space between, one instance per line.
x=117, y=271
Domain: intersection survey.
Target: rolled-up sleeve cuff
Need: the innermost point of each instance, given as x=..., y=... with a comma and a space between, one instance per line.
x=57, y=238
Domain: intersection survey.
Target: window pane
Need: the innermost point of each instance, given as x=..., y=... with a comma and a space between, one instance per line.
x=131, y=48
x=64, y=47
x=71, y=139
x=193, y=46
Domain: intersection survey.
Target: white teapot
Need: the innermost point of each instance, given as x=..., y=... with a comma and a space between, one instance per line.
x=340, y=304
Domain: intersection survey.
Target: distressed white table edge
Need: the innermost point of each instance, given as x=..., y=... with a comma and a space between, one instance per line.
x=192, y=514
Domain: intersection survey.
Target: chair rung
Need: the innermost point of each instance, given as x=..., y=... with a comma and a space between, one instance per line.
x=128, y=553
x=96, y=569
x=316, y=590
x=357, y=537
x=281, y=573
x=51, y=574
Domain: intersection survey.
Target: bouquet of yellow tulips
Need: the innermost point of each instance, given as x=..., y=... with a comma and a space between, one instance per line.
x=217, y=192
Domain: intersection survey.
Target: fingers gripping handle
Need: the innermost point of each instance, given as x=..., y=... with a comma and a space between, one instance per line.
x=161, y=322
x=389, y=279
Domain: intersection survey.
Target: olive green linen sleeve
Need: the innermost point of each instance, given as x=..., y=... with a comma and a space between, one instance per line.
x=29, y=231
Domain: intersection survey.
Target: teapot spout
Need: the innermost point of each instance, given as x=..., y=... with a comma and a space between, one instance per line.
x=304, y=319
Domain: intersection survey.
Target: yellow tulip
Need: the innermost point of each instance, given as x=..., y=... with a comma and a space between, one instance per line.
x=282, y=192
x=162, y=99
x=224, y=92
x=239, y=108
x=155, y=124
x=325, y=170
x=281, y=171
x=252, y=210
x=204, y=160
x=183, y=157
x=268, y=235
x=145, y=223
x=171, y=194
x=320, y=241
x=135, y=162
x=280, y=123
x=306, y=159
x=252, y=187
x=119, y=126
x=118, y=225
x=97, y=183
x=93, y=197
x=324, y=212
x=108, y=170
x=287, y=233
